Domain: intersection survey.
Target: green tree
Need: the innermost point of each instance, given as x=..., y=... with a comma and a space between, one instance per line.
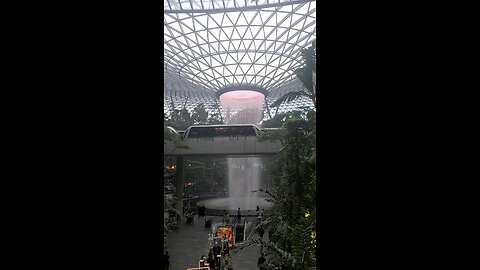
x=168, y=201
x=199, y=115
x=292, y=215
x=278, y=120
x=169, y=136
x=205, y=172
x=180, y=119
x=215, y=117
x=168, y=178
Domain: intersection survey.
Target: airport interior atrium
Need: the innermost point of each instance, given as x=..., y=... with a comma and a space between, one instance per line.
x=240, y=129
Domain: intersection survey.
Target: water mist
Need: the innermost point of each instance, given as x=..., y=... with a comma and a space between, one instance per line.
x=243, y=107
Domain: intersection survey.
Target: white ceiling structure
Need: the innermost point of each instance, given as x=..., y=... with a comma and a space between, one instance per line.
x=216, y=44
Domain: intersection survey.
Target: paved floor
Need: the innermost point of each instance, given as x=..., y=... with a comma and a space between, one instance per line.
x=186, y=244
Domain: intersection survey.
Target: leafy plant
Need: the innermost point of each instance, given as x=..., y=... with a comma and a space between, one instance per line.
x=305, y=74
x=291, y=218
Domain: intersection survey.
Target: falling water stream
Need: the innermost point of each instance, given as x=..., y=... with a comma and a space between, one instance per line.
x=243, y=178
x=244, y=107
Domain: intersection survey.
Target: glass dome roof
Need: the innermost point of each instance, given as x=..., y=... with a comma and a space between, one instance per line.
x=217, y=44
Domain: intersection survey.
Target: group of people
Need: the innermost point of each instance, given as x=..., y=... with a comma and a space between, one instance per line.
x=211, y=261
x=213, y=264
x=224, y=249
x=238, y=217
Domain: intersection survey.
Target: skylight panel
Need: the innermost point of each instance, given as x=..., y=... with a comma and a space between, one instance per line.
x=303, y=9
x=269, y=9
x=225, y=45
x=191, y=37
x=236, y=80
x=196, y=4
x=218, y=4
x=175, y=29
x=296, y=17
x=244, y=68
x=219, y=49
x=206, y=48
x=309, y=20
x=257, y=20
x=233, y=16
x=310, y=38
x=241, y=47
x=235, y=35
x=230, y=60
x=269, y=30
x=298, y=25
x=196, y=50
x=218, y=71
x=303, y=35
x=182, y=16
x=259, y=44
x=282, y=37
x=209, y=72
x=216, y=62
x=217, y=18
x=242, y=30
x=249, y=45
x=168, y=19
x=249, y=78
x=242, y=20
x=228, y=31
x=311, y=29
x=261, y=60
x=275, y=62
x=286, y=24
x=215, y=32
x=280, y=16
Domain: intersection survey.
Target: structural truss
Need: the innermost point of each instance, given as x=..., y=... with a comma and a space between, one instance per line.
x=216, y=44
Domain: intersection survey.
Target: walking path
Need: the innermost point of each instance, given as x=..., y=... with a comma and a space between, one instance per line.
x=187, y=244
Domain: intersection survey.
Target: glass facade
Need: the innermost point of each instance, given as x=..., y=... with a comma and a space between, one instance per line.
x=214, y=45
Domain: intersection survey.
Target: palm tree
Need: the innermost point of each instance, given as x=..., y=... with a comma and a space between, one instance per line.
x=292, y=214
x=305, y=75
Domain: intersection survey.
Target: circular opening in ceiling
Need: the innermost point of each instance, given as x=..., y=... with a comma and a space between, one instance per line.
x=242, y=99
x=242, y=106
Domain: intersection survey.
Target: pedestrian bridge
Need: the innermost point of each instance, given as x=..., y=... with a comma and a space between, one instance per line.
x=224, y=146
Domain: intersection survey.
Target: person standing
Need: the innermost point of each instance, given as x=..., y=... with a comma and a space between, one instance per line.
x=211, y=262
x=226, y=250
x=167, y=261
x=216, y=250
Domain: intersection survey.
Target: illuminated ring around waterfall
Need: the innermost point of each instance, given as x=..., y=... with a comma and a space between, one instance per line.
x=241, y=87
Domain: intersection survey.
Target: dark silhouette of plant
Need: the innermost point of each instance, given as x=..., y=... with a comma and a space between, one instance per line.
x=181, y=119
x=305, y=75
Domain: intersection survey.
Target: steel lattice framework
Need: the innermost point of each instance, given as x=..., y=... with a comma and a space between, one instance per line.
x=212, y=45
x=257, y=46
x=189, y=6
